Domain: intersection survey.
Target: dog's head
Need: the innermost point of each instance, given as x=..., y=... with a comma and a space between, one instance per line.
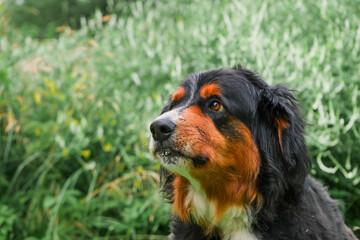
x=233, y=137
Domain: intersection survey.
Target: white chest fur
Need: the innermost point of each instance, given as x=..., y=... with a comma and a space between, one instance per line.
x=234, y=223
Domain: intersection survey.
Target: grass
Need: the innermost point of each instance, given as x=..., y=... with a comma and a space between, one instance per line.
x=75, y=111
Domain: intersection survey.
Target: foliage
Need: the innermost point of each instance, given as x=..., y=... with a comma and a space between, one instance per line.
x=7, y=219
x=75, y=111
x=40, y=18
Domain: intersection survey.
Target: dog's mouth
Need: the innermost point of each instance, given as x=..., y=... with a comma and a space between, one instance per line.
x=172, y=157
x=169, y=156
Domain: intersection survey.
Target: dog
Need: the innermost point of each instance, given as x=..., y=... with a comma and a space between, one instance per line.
x=234, y=162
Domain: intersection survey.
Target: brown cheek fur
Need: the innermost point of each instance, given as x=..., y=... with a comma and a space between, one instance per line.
x=178, y=94
x=181, y=188
x=229, y=177
x=209, y=90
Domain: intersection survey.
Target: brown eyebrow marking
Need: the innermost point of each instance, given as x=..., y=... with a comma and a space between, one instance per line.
x=209, y=90
x=178, y=94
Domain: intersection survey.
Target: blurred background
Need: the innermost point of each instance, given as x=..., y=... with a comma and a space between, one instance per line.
x=81, y=80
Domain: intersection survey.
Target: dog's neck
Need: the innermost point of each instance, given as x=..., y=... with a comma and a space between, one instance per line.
x=191, y=202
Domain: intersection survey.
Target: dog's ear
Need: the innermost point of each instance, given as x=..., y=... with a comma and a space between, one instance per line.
x=278, y=107
x=280, y=113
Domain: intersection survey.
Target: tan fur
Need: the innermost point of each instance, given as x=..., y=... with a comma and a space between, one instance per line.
x=234, y=224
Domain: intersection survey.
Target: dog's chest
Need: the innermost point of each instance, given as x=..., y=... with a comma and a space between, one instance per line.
x=234, y=223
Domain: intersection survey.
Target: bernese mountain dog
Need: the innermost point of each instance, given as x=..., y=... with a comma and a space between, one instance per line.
x=234, y=163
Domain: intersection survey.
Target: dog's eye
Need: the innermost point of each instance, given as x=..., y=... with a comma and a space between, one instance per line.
x=215, y=106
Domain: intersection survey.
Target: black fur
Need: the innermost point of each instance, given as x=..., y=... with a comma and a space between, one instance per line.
x=295, y=206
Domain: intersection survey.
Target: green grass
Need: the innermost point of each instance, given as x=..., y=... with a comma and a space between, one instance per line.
x=75, y=111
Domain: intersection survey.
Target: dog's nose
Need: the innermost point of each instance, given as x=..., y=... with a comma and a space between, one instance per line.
x=162, y=129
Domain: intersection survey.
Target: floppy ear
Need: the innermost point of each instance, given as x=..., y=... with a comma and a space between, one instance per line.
x=280, y=111
x=281, y=114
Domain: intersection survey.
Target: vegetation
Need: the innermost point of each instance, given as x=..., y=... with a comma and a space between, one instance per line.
x=75, y=110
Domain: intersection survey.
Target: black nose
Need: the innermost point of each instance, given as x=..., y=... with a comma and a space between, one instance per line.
x=162, y=129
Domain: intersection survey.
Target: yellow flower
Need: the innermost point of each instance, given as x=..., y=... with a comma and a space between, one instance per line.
x=107, y=147
x=23, y=107
x=56, y=127
x=121, y=167
x=37, y=131
x=77, y=86
x=65, y=152
x=84, y=77
x=155, y=97
x=140, y=169
x=72, y=75
x=86, y=153
x=50, y=84
x=76, y=122
x=37, y=97
x=106, y=117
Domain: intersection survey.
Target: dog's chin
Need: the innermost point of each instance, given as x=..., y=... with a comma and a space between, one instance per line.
x=171, y=159
x=179, y=164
